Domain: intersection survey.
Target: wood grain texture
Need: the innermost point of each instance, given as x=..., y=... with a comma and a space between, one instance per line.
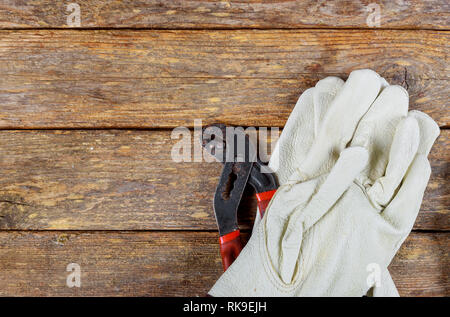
x=162, y=79
x=126, y=180
x=415, y=14
x=169, y=264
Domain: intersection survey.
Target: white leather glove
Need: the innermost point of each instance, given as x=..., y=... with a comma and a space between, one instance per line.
x=319, y=235
x=302, y=128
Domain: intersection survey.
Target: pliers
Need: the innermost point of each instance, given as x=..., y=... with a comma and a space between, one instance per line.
x=241, y=167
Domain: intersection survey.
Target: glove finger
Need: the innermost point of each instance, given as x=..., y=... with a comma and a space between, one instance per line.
x=403, y=150
x=299, y=132
x=297, y=135
x=429, y=131
x=340, y=121
x=324, y=93
x=376, y=129
x=348, y=166
x=403, y=209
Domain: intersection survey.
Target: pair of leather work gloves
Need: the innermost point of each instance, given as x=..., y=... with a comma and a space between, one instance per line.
x=352, y=166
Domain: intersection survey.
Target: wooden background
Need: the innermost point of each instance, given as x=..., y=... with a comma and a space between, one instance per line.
x=86, y=116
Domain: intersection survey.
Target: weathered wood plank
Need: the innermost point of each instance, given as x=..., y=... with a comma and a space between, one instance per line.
x=126, y=180
x=94, y=79
x=434, y=14
x=421, y=253
x=169, y=263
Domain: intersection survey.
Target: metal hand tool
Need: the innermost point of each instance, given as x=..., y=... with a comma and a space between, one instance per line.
x=241, y=166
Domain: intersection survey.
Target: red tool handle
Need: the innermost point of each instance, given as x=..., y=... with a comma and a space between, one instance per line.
x=263, y=200
x=230, y=247
x=230, y=244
